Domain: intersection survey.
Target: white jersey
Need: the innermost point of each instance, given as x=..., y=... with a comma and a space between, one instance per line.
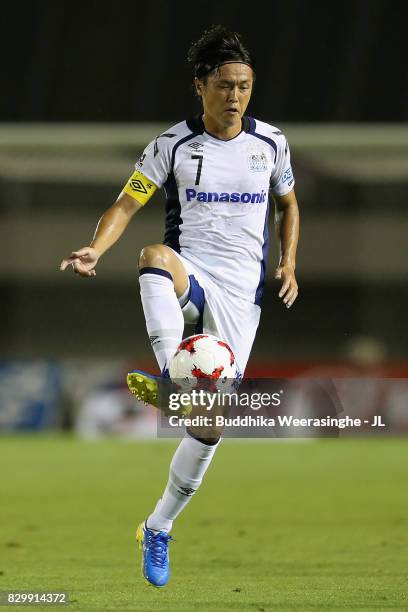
x=217, y=197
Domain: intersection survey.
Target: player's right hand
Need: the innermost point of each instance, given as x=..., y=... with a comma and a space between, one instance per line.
x=83, y=261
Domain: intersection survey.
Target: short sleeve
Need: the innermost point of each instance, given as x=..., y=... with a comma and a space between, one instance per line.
x=155, y=161
x=282, y=179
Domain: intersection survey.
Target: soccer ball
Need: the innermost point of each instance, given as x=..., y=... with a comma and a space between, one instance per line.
x=203, y=361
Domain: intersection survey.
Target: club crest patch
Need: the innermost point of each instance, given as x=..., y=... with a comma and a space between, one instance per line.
x=257, y=161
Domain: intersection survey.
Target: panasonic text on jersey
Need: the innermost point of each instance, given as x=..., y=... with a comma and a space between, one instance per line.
x=214, y=196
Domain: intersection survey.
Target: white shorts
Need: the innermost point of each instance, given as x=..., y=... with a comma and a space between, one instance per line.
x=216, y=311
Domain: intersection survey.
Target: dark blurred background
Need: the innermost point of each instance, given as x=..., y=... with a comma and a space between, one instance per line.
x=126, y=61
x=86, y=85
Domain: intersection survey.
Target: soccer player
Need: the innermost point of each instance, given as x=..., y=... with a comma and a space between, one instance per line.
x=218, y=170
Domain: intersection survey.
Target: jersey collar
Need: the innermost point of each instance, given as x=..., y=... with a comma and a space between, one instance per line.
x=196, y=125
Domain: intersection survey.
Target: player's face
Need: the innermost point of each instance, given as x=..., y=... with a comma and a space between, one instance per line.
x=226, y=94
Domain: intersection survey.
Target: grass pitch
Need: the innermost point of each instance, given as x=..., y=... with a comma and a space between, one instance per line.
x=318, y=525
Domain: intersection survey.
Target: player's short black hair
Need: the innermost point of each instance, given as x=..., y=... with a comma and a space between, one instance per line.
x=217, y=46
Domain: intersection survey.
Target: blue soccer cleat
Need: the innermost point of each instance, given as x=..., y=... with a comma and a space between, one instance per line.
x=155, y=561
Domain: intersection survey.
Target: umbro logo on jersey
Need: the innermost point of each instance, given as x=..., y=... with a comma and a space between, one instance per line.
x=153, y=339
x=196, y=145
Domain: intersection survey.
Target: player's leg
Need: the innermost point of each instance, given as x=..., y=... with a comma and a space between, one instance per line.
x=188, y=466
x=194, y=453
x=163, y=280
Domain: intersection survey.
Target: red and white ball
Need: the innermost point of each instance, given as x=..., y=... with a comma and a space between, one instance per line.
x=203, y=359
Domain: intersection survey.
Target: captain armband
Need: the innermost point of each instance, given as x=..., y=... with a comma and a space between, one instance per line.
x=140, y=187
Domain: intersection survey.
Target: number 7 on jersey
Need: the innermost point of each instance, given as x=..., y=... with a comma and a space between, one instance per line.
x=199, y=167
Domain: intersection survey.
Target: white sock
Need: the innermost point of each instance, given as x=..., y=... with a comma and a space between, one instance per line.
x=187, y=468
x=164, y=318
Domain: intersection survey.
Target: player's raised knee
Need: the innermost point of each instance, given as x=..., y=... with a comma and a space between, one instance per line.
x=154, y=256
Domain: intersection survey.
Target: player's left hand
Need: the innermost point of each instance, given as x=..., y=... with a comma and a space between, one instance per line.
x=289, y=289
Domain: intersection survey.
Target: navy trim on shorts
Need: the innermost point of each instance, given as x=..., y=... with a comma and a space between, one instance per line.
x=197, y=297
x=196, y=294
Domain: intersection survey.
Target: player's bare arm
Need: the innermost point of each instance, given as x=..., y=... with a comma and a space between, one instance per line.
x=110, y=227
x=287, y=225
